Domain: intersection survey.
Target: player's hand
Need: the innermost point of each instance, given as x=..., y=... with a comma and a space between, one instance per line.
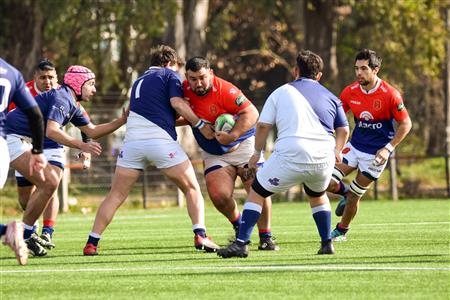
x=337, y=156
x=381, y=157
x=38, y=162
x=92, y=147
x=253, y=162
x=208, y=131
x=125, y=114
x=85, y=158
x=225, y=138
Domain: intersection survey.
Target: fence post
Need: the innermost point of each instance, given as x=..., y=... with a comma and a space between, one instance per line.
x=180, y=198
x=393, y=176
x=63, y=190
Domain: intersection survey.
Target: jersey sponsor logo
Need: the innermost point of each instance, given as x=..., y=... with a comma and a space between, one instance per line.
x=240, y=99
x=367, y=116
x=3, y=70
x=400, y=106
x=233, y=91
x=377, y=104
x=355, y=102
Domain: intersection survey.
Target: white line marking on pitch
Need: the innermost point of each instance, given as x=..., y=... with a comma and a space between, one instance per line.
x=241, y=268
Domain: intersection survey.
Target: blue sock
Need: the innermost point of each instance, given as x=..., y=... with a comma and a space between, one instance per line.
x=48, y=229
x=93, y=239
x=2, y=229
x=322, y=217
x=265, y=234
x=200, y=231
x=250, y=216
x=343, y=189
x=28, y=231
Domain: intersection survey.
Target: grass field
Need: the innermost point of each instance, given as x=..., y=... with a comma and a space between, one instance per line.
x=395, y=251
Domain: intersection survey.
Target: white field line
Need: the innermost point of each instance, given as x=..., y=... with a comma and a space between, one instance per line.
x=231, y=268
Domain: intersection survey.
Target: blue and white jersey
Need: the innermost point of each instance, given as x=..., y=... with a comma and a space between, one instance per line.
x=305, y=114
x=57, y=105
x=151, y=114
x=12, y=88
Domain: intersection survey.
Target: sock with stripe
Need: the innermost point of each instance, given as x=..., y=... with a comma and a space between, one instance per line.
x=250, y=216
x=93, y=239
x=199, y=230
x=27, y=231
x=48, y=227
x=265, y=233
x=322, y=217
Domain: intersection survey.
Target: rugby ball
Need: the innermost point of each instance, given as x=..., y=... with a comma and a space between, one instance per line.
x=224, y=122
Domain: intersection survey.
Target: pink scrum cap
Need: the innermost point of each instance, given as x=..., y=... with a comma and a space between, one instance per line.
x=76, y=76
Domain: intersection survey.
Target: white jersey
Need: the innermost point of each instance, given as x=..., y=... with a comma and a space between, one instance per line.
x=302, y=137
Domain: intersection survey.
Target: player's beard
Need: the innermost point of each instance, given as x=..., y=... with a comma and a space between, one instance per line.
x=203, y=92
x=364, y=82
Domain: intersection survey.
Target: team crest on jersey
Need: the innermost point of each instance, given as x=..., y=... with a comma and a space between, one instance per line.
x=240, y=99
x=213, y=110
x=365, y=115
x=233, y=91
x=3, y=70
x=377, y=104
x=400, y=106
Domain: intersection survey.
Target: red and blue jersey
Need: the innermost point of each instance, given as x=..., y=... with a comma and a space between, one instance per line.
x=12, y=88
x=57, y=105
x=374, y=114
x=223, y=98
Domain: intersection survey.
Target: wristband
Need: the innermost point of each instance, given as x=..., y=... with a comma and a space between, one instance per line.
x=35, y=151
x=199, y=124
x=389, y=147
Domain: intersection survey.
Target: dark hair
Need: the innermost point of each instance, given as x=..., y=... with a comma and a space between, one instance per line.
x=309, y=64
x=371, y=56
x=196, y=63
x=44, y=65
x=161, y=55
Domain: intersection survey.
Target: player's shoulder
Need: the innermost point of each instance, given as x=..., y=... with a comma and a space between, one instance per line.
x=224, y=86
x=389, y=90
x=10, y=72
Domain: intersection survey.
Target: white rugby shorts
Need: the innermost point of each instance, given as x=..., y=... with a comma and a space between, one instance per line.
x=162, y=153
x=4, y=161
x=54, y=156
x=363, y=161
x=278, y=174
x=236, y=158
x=17, y=145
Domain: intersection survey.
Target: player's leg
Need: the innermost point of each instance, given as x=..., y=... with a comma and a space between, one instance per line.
x=12, y=233
x=220, y=181
x=56, y=158
x=368, y=172
x=183, y=175
x=37, y=202
x=122, y=183
x=266, y=239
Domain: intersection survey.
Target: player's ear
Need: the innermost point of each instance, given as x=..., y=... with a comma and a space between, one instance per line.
x=296, y=72
x=318, y=76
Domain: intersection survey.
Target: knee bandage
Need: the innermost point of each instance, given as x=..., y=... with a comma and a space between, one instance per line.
x=337, y=175
x=356, y=189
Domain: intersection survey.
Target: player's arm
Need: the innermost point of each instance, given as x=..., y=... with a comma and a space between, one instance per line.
x=262, y=132
x=342, y=134
x=180, y=121
x=98, y=131
x=56, y=134
x=183, y=109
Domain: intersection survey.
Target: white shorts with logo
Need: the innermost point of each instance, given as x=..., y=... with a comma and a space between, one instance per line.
x=162, y=153
x=4, y=161
x=237, y=158
x=363, y=161
x=278, y=174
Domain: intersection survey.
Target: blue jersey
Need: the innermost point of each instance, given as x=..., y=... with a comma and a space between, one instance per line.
x=12, y=88
x=57, y=105
x=150, y=97
x=326, y=105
